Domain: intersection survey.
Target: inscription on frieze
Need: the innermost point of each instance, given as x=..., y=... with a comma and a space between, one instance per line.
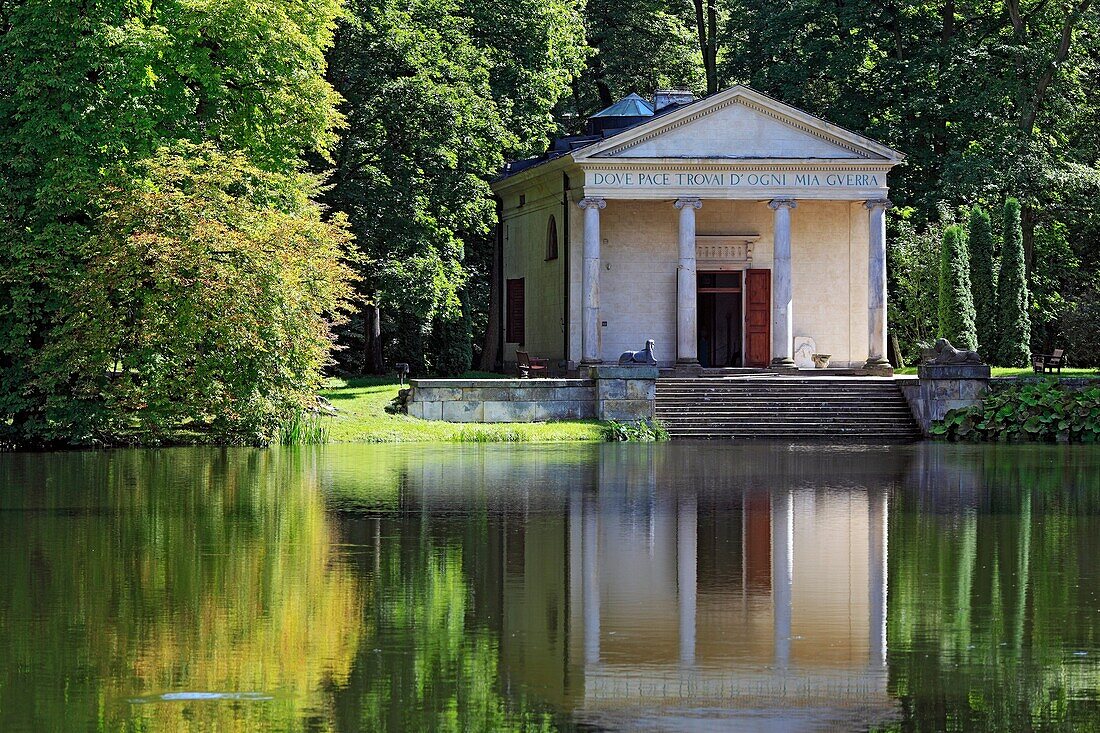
x=626, y=179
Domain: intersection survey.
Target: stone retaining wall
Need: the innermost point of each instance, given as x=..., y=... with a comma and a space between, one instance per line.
x=608, y=393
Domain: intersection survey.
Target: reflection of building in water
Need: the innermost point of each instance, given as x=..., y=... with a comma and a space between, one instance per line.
x=639, y=582
x=648, y=594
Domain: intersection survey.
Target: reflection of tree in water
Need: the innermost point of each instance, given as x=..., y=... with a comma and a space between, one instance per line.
x=992, y=598
x=432, y=661
x=139, y=573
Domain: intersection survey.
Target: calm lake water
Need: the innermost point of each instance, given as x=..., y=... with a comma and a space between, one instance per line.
x=622, y=587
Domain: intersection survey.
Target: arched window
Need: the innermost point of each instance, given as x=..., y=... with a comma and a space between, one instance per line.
x=552, y=239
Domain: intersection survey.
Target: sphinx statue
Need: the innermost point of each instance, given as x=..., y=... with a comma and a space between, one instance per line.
x=945, y=353
x=644, y=357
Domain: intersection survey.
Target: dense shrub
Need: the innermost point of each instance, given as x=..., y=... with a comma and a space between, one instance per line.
x=956, y=304
x=1032, y=412
x=451, y=341
x=639, y=431
x=1013, y=321
x=1081, y=326
x=983, y=281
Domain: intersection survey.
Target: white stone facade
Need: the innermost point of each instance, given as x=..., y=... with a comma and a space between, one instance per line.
x=634, y=210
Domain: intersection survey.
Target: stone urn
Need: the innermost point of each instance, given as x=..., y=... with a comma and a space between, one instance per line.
x=822, y=360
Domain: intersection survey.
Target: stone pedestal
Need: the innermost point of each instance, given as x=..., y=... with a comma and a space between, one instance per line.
x=941, y=388
x=624, y=392
x=954, y=371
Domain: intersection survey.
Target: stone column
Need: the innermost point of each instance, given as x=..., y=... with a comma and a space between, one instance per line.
x=590, y=281
x=876, y=285
x=782, y=338
x=687, y=338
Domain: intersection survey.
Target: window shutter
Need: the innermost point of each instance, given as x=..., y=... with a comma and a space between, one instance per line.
x=515, y=311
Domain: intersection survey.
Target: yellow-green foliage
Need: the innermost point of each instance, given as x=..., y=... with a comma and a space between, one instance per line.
x=363, y=419
x=201, y=303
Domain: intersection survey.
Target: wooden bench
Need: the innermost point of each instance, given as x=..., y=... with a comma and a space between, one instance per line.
x=1043, y=363
x=526, y=364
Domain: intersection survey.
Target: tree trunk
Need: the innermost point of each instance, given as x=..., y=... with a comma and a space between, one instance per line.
x=706, y=27
x=712, y=46
x=372, y=340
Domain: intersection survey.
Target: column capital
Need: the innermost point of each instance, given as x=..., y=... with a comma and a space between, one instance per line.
x=592, y=202
x=878, y=203
x=689, y=201
x=778, y=203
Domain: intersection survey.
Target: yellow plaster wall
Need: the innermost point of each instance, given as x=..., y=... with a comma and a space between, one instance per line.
x=638, y=290
x=525, y=235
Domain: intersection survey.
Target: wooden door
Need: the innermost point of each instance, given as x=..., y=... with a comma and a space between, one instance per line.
x=758, y=317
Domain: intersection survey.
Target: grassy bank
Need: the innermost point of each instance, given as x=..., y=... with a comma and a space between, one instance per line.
x=1023, y=372
x=363, y=419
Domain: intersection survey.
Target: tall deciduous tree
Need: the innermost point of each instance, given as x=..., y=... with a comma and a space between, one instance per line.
x=423, y=137
x=96, y=86
x=534, y=49
x=1013, y=322
x=956, y=304
x=617, y=32
x=983, y=280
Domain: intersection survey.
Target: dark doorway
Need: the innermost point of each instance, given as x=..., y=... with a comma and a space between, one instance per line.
x=720, y=320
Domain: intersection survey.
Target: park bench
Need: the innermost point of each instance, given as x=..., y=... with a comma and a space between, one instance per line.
x=526, y=364
x=1043, y=363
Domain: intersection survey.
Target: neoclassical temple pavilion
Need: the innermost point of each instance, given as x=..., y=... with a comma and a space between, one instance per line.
x=723, y=229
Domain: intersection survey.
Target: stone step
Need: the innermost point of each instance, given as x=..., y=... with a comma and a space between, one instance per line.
x=861, y=437
x=855, y=424
x=776, y=393
x=711, y=407
x=711, y=394
x=784, y=409
x=746, y=418
x=772, y=390
x=714, y=404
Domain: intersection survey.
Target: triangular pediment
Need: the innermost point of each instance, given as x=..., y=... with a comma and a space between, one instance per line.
x=739, y=123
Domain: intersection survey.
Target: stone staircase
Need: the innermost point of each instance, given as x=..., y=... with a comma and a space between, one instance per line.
x=860, y=409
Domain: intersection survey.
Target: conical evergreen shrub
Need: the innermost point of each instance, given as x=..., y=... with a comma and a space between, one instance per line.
x=983, y=281
x=1013, y=321
x=956, y=303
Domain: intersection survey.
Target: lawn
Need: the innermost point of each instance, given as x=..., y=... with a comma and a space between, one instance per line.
x=1022, y=372
x=363, y=419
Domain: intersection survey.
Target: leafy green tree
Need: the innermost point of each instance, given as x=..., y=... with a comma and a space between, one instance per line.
x=423, y=137
x=1013, y=321
x=956, y=304
x=452, y=340
x=913, y=271
x=207, y=300
x=534, y=49
x=983, y=280
x=616, y=32
x=91, y=89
